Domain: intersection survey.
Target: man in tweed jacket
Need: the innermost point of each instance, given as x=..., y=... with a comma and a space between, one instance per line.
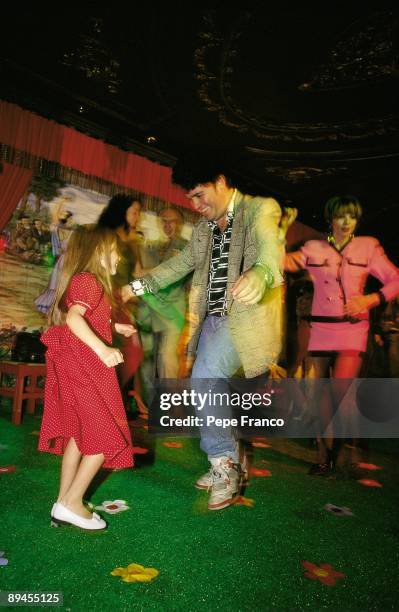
x=235, y=303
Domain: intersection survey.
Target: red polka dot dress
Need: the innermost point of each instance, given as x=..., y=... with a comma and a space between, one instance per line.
x=82, y=396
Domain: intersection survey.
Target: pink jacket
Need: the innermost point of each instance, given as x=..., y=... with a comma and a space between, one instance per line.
x=338, y=276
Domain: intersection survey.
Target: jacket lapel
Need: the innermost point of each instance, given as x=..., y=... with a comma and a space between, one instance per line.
x=236, y=252
x=204, y=246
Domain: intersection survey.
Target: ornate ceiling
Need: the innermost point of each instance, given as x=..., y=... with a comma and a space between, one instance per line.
x=301, y=98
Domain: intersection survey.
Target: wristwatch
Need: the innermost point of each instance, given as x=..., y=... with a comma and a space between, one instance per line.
x=137, y=287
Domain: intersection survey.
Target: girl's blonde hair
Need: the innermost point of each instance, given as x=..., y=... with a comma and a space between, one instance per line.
x=86, y=248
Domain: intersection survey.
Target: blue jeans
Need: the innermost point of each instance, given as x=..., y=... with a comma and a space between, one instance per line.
x=217, y=360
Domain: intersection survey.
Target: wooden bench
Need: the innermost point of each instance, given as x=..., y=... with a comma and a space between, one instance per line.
x=21, y=391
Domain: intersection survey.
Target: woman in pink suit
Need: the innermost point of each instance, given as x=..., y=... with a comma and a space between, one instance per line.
x=339, y=267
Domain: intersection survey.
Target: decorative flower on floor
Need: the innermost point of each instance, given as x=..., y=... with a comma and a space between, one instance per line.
x=3, y=560
x=7, y=469
x=366, y=482
x=138, y=450
x=135, y=573
x=113, y=507
x=368, y=466
x=338, y=510
x=244, y=501
x=324, y=573
x=173, y=444
x=260, y=473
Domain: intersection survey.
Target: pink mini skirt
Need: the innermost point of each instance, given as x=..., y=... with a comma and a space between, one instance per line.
x=343, y=336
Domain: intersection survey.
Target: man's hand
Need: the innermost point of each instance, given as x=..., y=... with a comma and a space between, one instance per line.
x=125, y=329
x=126, y=293
x=287, y=219
x=250, y=287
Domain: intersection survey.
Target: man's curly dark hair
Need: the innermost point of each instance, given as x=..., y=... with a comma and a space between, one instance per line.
x=198, y=169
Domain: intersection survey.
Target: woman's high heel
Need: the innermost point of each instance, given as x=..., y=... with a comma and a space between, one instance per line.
x=325, y=468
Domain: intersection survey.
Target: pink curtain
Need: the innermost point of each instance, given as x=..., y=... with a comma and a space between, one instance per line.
x=14, y=181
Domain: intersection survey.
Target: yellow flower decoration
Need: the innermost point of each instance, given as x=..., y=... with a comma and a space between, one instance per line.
x=135, y=573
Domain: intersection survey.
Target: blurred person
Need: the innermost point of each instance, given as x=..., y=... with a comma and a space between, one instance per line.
x=386, y=335
x=168, y=306
x=122, y=215
x=61, y=230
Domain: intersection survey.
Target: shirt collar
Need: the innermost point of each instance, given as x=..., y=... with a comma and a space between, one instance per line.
x=229, y=211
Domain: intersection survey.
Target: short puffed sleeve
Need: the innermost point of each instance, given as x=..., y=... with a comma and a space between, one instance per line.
x=84, y=289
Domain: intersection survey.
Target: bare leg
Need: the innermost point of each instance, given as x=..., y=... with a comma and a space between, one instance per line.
x=346, y=367
x=319, y=367
x=326, y=443
x=70, y=464
x=73, y=498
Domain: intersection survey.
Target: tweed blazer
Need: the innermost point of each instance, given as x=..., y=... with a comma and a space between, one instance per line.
x=256, y=329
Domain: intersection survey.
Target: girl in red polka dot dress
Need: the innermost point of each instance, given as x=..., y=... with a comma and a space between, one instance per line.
x=84, y=417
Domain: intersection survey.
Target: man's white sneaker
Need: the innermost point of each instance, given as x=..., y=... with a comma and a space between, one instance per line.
x=226, y=483
x=204, y=482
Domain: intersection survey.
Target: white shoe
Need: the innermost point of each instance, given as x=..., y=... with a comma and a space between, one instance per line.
x=226, y=483
x=63, y=516
x=205, y=481
x=85, y=503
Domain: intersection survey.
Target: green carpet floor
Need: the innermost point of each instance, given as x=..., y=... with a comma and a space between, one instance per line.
x=241, y=558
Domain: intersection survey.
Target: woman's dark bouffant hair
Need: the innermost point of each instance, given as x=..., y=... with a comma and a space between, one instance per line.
x=341, y=204
x=114, y=214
